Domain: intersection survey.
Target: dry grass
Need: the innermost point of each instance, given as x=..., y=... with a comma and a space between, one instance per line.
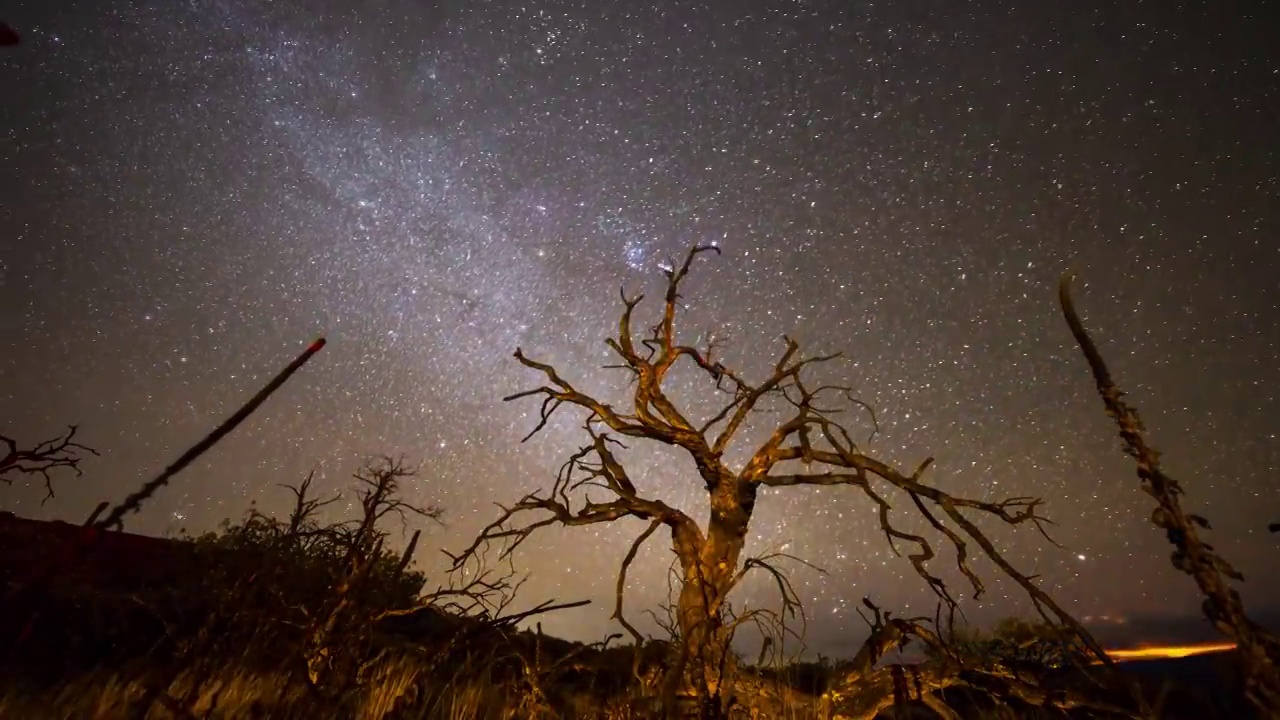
x=401, y=691
x=406, y=687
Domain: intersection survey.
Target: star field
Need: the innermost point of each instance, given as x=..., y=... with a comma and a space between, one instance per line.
x=193, y=191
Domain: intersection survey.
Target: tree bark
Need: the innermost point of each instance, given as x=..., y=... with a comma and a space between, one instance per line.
x=709, y=571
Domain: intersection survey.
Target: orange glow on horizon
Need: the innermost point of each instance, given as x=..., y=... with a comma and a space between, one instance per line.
x=1169, y=651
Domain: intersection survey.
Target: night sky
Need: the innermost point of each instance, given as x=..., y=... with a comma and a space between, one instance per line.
x=192, y=191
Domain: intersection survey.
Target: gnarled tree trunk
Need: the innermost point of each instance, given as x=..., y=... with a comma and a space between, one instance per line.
x=709, y=570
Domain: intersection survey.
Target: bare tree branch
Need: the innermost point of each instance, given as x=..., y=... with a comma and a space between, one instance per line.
x=379, y=487
x=622, y=581
x=61, y=452
x=1012, y=511
x=304, y=507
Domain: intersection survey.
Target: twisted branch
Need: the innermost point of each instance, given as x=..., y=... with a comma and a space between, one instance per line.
x=48, y=455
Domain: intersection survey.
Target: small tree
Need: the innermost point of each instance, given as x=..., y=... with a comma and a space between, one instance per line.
x=297, y=593
x=710, y=556
x=292, y=573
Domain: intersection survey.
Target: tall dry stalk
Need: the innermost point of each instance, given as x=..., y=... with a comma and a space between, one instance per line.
x=1259, y=649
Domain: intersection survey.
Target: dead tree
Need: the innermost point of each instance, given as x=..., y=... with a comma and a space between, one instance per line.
x=61, y=452
x=1258, y=647
x=378, y=494
x=710, y=557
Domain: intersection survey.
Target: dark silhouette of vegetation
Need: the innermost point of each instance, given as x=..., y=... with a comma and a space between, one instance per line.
x=42, y=459
x=326, y=608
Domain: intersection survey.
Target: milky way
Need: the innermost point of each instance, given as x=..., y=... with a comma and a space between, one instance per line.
x=195, y=190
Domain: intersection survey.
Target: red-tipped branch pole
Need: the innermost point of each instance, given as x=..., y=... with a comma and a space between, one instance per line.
x=131, y=504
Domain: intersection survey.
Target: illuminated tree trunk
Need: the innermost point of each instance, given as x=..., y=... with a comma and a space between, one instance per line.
x=710, y=566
